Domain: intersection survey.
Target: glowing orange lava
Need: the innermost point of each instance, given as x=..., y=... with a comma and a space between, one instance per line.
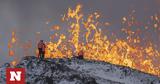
x=124, y=52
x=85, y=36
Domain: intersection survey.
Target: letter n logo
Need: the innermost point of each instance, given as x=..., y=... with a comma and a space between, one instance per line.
x=15, y=76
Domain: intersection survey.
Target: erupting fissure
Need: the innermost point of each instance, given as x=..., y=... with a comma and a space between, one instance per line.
x=96, y=46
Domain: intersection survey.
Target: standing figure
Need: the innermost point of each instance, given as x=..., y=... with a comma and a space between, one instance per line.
x=41, y=49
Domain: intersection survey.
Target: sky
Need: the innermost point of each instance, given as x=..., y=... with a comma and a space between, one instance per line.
x=27, y=17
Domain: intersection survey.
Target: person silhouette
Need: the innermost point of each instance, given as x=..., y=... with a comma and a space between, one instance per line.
x=41, y=49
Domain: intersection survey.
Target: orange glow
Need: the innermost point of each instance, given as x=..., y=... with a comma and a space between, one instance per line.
x=11, y=44
x=98, y=47
x=13, y=63
x=11, y=53
x=87, y=38
x=56, y=27
x=13, y=37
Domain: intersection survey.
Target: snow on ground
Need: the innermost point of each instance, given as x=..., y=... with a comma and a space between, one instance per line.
x=78, y=71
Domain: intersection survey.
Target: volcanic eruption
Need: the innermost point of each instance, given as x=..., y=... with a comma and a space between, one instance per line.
x=84, y=33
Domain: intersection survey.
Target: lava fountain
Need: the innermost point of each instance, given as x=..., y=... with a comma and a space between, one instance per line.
x=86, y=35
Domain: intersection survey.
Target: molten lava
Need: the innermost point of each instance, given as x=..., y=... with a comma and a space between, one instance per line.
x=85, y=35
x=95, y=46
x=11, y=44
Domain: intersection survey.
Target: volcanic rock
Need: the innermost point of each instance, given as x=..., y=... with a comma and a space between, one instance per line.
x=78, y=71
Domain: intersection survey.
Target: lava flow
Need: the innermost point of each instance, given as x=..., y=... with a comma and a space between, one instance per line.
x=85, y=35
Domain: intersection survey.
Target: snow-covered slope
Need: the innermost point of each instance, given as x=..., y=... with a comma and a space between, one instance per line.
x=77, y=71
